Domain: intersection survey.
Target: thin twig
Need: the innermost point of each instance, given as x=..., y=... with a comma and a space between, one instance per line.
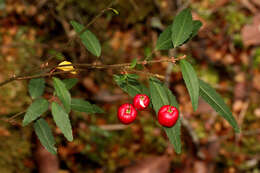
x=123, y=65
x=186, y=124
x=84, y=67
x=11, y=119
x=15, y=116
x=168, y=72
x=147, y=73
x=112, y=127
x=108, y=8
x=21, y=76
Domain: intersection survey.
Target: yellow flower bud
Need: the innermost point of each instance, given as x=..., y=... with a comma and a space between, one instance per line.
x=66, y=68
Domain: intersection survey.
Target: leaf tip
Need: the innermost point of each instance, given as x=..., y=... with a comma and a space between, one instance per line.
x=25, y=123
x=195, y=107
x=54, y=78
x=237, y=130
x=53, y=151
x=178, y=151
x=72, y=22
x=70, y=138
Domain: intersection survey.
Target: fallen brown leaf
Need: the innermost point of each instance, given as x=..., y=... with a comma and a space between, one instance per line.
x=200, y=167
x=256, y=2
x=251, y=33
x=152, y=164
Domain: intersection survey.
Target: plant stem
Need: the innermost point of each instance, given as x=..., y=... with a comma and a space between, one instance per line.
x=22, y=76
x=84, y=67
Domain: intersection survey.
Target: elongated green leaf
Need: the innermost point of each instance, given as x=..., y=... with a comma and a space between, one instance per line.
x=133, y=63
x=89, y=40
x=35, y=110
x=132, y=76
x=158, y=94
x=191, y=81
x=164, y=41
x=174, y=133
x=97, y=109
x=70, y=83
x=196, y=27
x=130, y=85
x=196, y=24
x=81, y=106
x=145, y=90
x=181, y=27
x=63, y=93
x=171, y=97
x=84, y=106
x=216, y=102
x=62, y=120
x=36, y=87
x=161, y=95
x=43, y=131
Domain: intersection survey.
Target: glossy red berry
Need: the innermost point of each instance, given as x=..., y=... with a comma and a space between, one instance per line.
x=168, y=115
x=126, y=113
x=141, y=101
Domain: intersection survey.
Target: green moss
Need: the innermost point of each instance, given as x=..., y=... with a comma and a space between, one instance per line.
x=208, y=75
x=257, y=58
x=235, y=18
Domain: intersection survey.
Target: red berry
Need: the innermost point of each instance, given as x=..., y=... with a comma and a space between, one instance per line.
x=126, y=113
x=141, y=101
x=168, y=115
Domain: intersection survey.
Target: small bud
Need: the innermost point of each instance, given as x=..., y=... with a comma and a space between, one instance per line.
x=66, y=68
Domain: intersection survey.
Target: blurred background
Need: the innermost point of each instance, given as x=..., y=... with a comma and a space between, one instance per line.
x=226, y=54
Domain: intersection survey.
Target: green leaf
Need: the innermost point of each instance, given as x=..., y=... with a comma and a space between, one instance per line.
x=57, y=55
x=140, y=66
x=181, y=27
x=36, y=87
x=70, y=83
x=161, y=95
x=196, y=24
x=129, y=84
x=158, y=94
x=174, y=135
x=145, y=90
x=133, y=63
x=216, y=102
x=97, y=109
x=171, y=97
x=63, y=93
x=133, y=76
x=164, y=41
x=35, y=110
x=45, y=136
x=196, y=27
x=191, y=82
x=81, y=106
x=84, y=106
x=89, y=40
x=62, y=120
